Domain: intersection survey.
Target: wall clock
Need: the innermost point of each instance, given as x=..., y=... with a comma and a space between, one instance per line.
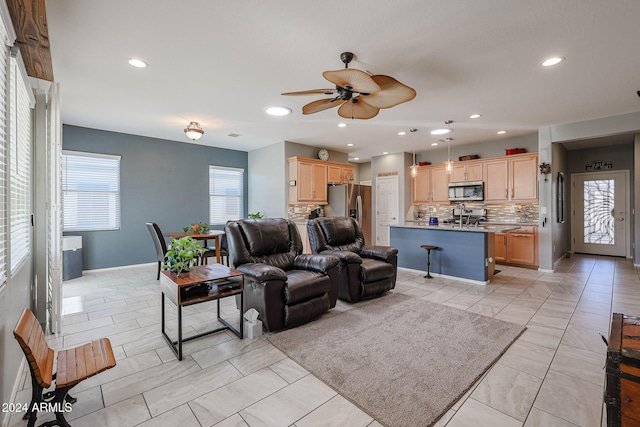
x=323, y=154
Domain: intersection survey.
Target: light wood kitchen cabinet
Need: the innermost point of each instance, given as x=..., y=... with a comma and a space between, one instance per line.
x=339, y=174
x=511, y=178
x=307, y=181
x=466, y=171
x=519, y=247
x=431, y=184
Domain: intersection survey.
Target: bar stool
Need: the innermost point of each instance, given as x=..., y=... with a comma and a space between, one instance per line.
x=428, y=248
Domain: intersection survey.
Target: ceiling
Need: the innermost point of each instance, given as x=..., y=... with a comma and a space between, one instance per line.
x=221, y=63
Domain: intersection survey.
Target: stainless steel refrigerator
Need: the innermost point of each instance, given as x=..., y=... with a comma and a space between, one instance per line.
x=354, y=201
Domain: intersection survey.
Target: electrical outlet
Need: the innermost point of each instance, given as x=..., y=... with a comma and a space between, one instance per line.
x=433, y=209
x=512, y=208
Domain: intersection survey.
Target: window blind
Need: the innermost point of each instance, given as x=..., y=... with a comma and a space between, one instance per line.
x=226, y=191
x=90, y=191
x=19, y=167
x=4, y=95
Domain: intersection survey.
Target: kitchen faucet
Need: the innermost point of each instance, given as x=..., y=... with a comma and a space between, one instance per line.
x=462, y=207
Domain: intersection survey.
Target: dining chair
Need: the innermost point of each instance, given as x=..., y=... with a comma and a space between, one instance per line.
x=159, y=243
x=224, y=250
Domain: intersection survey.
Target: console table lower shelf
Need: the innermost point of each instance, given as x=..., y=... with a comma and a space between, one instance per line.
x=200, y=284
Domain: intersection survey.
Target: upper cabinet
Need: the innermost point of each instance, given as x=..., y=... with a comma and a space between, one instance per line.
x=338, y=173
x=431, y=184
x=511, y=178
x=466, y=171
x=307, y=181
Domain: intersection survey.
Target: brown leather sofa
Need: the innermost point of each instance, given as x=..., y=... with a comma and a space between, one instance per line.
x=287, y=288
x=365, y=271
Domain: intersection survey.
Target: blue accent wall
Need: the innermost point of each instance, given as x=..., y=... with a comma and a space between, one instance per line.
x=161, y=181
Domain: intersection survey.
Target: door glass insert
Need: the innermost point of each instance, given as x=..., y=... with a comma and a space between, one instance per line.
x=599, y=220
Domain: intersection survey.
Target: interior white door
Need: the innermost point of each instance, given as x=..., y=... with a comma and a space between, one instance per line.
x=386, y=207
x=600, y=213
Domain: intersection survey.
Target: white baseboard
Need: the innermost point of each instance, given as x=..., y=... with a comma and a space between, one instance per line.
x=460, y=279
x=14, y=392
x=120, y=267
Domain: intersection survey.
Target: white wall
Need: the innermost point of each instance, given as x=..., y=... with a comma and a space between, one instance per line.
x=561, y=231
x=267, y=190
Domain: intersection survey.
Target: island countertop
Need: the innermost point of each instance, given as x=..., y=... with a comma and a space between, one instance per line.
x=493, y=228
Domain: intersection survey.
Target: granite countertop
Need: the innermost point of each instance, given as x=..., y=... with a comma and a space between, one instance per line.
x=493, y=228
x=485, y=223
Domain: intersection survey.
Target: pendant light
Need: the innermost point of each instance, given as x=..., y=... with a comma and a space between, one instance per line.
x=448, y=163
x=414, y=167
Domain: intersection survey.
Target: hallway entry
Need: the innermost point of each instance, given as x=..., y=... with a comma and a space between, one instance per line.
x=600, y=207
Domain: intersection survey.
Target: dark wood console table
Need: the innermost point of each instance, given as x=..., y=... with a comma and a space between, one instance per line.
x=190, y=288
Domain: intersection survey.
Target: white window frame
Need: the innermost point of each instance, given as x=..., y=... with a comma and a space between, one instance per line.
x=6, y=36
x=114, y=221
x=22, y=102
x=215, y=199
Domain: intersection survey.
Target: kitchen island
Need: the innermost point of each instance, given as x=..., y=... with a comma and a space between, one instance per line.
x=466, y=252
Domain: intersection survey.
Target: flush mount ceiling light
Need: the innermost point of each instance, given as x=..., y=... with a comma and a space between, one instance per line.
x=552, y=61
x=501, y=132
x=278, y=111
x=475, y=116
x=442, y=131
x=138, y=63
x=342, y=125
x=194, y=131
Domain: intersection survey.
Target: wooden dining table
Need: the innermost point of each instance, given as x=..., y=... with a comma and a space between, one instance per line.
x=211, y=234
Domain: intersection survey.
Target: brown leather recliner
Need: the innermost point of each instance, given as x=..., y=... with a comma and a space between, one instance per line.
x=365, y=271
x=287, y=288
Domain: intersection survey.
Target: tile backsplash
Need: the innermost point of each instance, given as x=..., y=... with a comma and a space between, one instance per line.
x=300, y=213
x=521, y=212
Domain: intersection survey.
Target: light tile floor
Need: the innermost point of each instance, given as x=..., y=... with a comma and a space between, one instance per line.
x=553, y=375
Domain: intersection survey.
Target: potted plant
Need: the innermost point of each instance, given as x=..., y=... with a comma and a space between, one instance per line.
x=197, y=228
x=184, y=253
x=256, y=215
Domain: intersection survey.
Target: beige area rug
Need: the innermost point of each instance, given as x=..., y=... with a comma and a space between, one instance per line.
x=402, y=360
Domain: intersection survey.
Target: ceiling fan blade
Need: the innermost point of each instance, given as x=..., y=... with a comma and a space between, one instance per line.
x=356, y=80
x=311, y=92
x=357, y=110
x=321, y=105
x=391, y=94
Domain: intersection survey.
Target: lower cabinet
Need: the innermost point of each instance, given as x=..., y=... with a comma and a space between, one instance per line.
x=518, y=247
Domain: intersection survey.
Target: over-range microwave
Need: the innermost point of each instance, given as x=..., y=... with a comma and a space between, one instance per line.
x=463, y=191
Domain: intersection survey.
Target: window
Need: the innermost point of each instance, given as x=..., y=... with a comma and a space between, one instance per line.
x=4, y=75
x=226, y=190
x=21, y=102
x=90, y=191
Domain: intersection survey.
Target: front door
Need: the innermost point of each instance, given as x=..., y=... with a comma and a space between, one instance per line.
x=386, y=207
x=600, y=213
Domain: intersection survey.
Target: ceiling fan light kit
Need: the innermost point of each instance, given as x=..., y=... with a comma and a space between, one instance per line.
x=194, y=131
x=359, y=95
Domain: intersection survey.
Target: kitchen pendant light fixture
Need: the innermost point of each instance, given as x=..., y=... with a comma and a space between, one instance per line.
x=448, y=163
x=414, y=167
x=194, y=131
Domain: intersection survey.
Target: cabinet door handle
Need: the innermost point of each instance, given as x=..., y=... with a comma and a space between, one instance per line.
x=512, y=193
x=432, y=195
x=506, y=193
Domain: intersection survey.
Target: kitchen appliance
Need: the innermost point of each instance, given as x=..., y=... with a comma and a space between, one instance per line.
x=354, y=201
x=466, y=191
x=433, y=220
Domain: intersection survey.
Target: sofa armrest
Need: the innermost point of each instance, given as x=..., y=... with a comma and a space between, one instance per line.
x=260, y=272
x=382, y=253
x=346, y=257
x=316, y=262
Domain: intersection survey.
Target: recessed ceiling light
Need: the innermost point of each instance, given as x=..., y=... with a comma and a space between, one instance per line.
x=475, y=116
x=278, y=111
x=356, y=158
x=138, y=63
x=402, y=133
x=342, y=125
x=385, y=152
x=434, y=144
x=350, y=145
x=552, y=61
x=501, y=132
x=440, y=131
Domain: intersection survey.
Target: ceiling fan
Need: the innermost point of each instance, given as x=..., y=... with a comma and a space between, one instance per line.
x=359, y=95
